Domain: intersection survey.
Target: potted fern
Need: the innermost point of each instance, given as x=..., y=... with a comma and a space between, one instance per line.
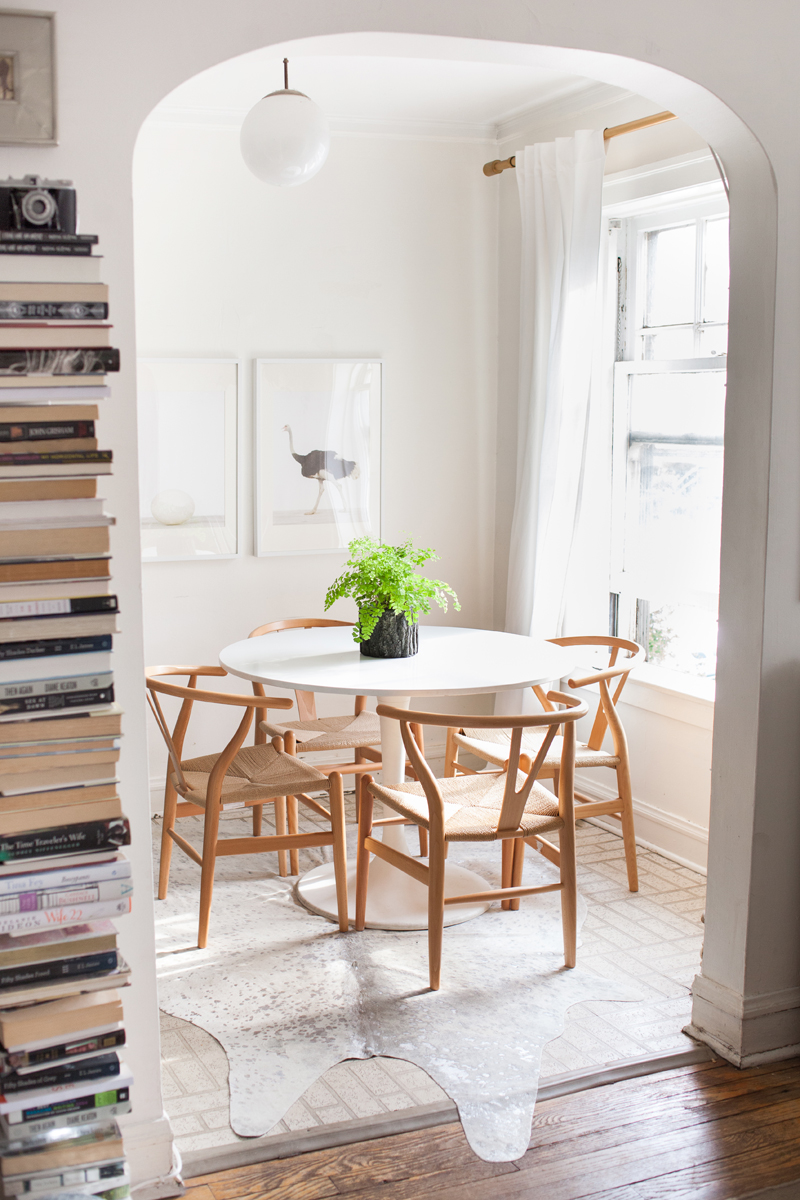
x=390, y=595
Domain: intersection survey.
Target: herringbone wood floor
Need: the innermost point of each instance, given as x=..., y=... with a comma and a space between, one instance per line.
x=707, y=1132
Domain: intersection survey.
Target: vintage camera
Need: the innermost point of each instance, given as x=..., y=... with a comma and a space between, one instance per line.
x=36, y=203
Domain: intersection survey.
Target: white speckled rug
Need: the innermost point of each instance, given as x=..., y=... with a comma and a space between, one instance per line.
x=288, y=996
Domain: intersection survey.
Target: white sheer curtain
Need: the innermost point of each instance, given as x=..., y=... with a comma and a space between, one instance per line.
x=560, y=188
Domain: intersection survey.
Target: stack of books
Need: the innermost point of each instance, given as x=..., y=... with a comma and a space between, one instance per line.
x=63, y=1081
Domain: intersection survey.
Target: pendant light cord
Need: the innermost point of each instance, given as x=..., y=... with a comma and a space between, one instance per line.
x=286, y=74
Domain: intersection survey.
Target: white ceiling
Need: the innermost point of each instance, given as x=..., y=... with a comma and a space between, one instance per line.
x=378, y=79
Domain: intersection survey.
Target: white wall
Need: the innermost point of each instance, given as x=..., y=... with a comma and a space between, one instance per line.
x=389, y=252
x=735, y=81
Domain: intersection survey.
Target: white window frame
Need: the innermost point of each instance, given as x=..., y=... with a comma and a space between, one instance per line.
x=627, y=223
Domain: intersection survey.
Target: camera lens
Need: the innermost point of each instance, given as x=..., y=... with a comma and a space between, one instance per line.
x=38, y=207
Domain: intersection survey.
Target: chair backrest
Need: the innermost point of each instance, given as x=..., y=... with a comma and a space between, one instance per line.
x=514, y=801
x=618, y=668
x=191, y=695
x=306, y=704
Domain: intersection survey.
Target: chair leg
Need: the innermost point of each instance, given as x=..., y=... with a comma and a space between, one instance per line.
x=258, y=816
x=362, y=861
x=294, y=855
x=436, y=863
x=423, y=841
x=170, y=809
x=210, y=833
x=336, y=797
x=507, y=852
x=628, y=832
x=450, y=754
x=517, y=863
x=569, y=891
x=280, y=828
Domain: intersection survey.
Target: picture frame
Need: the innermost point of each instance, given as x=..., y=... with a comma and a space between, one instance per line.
x=317, y=453
x=27, y=78
x=189, y=458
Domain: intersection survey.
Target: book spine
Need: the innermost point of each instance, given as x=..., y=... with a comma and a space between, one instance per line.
x=27, y=902
x=31, y=1058
x=74, y=310
x=70, y=877
x=85, y=682
x=75, y=248
x=60, y=968
x=74, y=914
x=53, y=647
x=29, y=704
x=94, y=360
x=57, y=607
x=68, y=1113
x=105, y=1066
x=48, y=235
x=28, y=432
x=31, y=458
x=69, y=839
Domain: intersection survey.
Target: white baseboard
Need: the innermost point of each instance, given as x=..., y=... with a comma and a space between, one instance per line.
x=656, y=829
x=746, y=1030
x=154, y=1164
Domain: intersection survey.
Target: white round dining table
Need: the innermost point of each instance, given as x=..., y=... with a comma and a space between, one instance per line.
x=450, y=662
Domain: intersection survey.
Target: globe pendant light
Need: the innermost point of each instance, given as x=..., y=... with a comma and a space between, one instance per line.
x=285, y=137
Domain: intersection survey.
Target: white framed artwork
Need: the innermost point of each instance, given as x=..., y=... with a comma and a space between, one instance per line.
x=189, y=458
x=317, y=453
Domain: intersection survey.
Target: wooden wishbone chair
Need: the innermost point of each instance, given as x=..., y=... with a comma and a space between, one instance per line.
x=492, y=746
x=236, y=778
x=508, y=805
x=360, y=733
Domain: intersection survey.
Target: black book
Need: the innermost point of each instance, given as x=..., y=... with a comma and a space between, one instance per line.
x=98, y=1043
x=45, y=248
x=50, y=647
x=56, y=700
x=104, y=1066
x=60, y=1108
x=58, y=968
x=86, y=360
x=28, y=432
x=65, y=606
x=55, y=456
x=109, y=834
x=48, y=310
x=48, y=235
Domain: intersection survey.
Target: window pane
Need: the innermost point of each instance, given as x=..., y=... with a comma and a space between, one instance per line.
x=677, y=405
x=669, y=343
x=713, y=341
x=683, y=637
x=670, y=266
x=716, y=271
x=674, y=512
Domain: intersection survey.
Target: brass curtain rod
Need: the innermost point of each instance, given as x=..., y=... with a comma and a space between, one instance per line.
x=502, y=164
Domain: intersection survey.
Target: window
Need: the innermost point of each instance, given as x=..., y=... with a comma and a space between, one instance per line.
x=669, y=411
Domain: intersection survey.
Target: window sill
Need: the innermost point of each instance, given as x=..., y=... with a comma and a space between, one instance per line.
x=685, y=698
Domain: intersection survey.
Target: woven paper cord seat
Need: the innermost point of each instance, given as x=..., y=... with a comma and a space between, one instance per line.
x=257, y=773
x=493, y=745
x=330, y=733
x=472, y=805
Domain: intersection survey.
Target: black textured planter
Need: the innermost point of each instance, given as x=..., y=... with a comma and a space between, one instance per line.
x=392, y=637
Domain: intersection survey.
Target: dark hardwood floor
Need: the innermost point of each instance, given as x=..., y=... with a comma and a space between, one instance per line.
x=706, y=1132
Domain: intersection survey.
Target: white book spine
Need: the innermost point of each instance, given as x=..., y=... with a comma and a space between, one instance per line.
x=71, y=877
x=77, y=682
x=74, y=914
x=67, y=1091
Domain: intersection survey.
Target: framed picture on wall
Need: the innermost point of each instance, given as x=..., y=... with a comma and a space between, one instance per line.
x=318, y=453
x=188, y=458
x=27, y=79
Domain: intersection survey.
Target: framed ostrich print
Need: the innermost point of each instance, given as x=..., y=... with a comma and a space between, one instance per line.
x=318, y=453
x=188, y=458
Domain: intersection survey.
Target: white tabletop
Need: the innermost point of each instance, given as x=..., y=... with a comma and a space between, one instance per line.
x=450, y=662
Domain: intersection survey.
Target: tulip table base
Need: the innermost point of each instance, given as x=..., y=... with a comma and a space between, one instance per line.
x=394, y=899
